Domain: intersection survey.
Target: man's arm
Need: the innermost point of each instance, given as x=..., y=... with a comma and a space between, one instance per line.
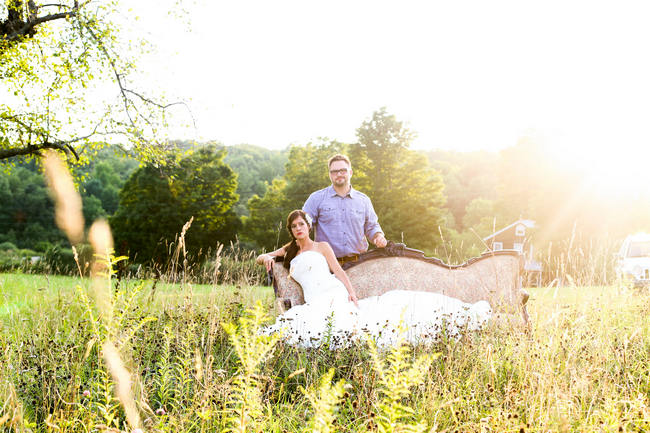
x=372, y=229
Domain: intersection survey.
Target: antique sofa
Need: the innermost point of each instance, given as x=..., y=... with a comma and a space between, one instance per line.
x=495, y=276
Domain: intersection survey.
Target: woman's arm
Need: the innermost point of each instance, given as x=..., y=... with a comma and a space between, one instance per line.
x=335, y=267
x=267, y=259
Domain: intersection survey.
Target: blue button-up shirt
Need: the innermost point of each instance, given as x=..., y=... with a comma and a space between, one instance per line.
x=343, y=222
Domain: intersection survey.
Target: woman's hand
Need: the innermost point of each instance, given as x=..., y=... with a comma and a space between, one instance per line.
x=352, y=297
x=269, y=258
x=268, y=261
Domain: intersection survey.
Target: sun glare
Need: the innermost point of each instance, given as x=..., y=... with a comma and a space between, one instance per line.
x=610, y=170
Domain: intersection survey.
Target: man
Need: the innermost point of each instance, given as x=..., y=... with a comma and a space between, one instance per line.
x=343, y=216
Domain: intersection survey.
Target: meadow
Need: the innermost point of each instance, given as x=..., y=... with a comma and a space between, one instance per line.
x=194, y=362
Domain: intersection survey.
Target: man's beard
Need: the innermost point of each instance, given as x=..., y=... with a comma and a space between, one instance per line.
x=341, y=182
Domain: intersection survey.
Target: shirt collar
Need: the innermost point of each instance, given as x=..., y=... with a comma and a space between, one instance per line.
x=331, y=192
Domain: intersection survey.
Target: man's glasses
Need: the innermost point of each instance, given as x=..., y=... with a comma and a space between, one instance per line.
x=339, y=171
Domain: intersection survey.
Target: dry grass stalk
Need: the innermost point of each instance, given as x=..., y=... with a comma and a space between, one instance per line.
x=102, y=242
x=122, y=379
x=171, y=270
x=68, y=202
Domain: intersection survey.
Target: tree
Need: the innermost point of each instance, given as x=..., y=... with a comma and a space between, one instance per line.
x=51, y=54
x=467, y=176
x=26, y=202
x=479, y=215
x=156, y=202
x=305, y=172
x=147, y=216
x=256, y=168
x=27, y=211
x=406, y=192
x=205, y=186
x=265, y=225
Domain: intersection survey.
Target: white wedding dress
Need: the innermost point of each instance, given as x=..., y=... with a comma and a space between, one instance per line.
x=327, y=317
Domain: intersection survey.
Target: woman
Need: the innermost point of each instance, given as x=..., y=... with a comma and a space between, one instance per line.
x=299, y=227
x=333, y=314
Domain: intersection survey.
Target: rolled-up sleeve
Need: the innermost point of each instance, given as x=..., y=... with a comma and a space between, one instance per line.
x=311, y=207
x=371, y=226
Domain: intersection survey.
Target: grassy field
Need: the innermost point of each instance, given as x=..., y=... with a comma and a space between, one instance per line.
x=21, y=292
x=582, y=366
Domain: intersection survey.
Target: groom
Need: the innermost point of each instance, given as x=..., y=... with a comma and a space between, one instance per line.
x=343, y=216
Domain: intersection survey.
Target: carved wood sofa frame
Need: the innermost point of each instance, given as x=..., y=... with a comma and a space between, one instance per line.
x=495, y=277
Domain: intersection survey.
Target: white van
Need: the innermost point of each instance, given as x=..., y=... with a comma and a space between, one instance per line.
x=633, y=259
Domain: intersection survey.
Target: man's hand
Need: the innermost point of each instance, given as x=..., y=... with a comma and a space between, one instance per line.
x=379, y=240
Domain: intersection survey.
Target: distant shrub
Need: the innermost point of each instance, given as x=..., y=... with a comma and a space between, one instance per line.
x=60, y=260
x=10, y=261
x=7, y=246
x=24, y=260
x=43, y=246
x=27, y=253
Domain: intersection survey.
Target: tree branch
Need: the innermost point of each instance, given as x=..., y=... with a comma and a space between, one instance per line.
x=29, y=25
x=35, y=149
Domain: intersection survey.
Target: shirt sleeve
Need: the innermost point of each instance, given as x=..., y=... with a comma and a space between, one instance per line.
x=311, y=207
x=371, y=227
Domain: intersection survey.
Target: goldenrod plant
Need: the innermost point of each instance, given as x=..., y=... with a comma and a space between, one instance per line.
x=244, y=406
x=324, y=401
x=397, y=376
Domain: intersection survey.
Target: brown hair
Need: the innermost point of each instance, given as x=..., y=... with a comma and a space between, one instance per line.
x=291, y=249
x=339, y=157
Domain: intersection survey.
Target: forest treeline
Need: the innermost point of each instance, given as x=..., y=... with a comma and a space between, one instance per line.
x=441, y=202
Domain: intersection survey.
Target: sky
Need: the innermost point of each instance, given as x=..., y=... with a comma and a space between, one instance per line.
x=464, y=75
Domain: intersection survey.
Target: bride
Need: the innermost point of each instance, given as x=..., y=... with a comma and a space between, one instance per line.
x=332, y=314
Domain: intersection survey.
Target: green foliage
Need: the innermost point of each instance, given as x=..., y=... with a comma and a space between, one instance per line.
x=102, y=179
x=467, y=176
x=256, y=168
x=17, y=260
x=27, y=215
x=252, y=349
x=148, y=213
x=60, y=260
x=204, y=187
x=156, y=202
x=7, y=246
x=305, y=172
x=27, y=211
x=406, y=192
x=479, y=216
x=397, y=375
x=324, y=401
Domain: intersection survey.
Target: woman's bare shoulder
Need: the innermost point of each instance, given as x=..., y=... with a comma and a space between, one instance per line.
x=323, y=247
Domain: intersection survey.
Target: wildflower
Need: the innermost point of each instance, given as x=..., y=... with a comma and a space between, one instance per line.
x=86, y=393
x=160, y=411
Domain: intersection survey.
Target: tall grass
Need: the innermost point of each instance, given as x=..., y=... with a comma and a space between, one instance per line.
x=581, y=367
